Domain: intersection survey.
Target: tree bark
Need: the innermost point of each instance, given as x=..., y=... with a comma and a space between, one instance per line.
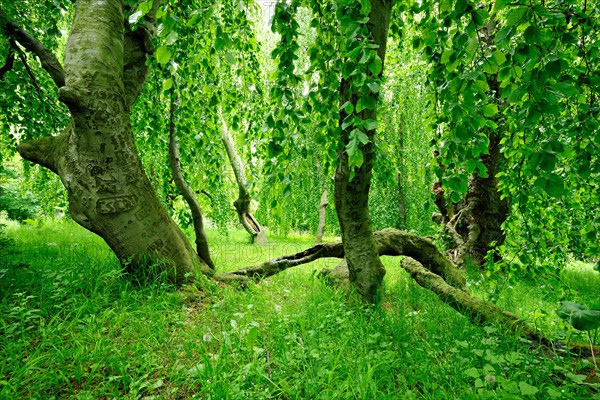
x=352, y=195
x=96, y=158
x=322, y=214
x=242, y=203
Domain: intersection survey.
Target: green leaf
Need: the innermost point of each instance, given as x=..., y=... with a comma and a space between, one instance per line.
x=555, y=185
x=348, y=107
x=516, y=95
x=371, y=124
x=172, y=38
x=167, y=84
x=527, y=389
x=490, y=110
x=472, y=372
x=579, y=316
x=376, y=66
x=565, y=89
x=163, y=55
x=135, y=17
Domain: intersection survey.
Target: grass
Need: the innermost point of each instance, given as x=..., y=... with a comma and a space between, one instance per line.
x=73, y=327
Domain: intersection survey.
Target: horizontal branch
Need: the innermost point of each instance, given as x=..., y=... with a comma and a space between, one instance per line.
x=389, y=242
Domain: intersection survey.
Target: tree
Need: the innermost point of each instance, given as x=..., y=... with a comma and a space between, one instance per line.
x=517, y=113
x=95, y=155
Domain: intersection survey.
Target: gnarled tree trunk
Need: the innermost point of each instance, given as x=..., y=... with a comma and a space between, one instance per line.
x=352, y=195
x=95, y=156
x=242, y=203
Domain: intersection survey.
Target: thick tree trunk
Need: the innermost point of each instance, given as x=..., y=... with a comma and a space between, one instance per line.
x=352, y=195
x=96, y=158
x=242, y=203
x=322, y=214
x=476, y=223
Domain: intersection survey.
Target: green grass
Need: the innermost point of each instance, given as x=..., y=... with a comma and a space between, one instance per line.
x=73, y=327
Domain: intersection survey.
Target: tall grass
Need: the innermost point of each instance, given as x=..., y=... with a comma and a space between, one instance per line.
x=74, y=327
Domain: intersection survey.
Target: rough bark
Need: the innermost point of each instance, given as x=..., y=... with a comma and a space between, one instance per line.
x=352, y=196
x=96, y=158
x=322, y=214
x=185, y=190
x=242, y=203
x=388, y=242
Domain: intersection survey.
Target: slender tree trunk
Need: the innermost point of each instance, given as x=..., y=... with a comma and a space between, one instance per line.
x=322, y=214
x=96, y=158
x=352, y=195
x=185, y=190
x=242, y=203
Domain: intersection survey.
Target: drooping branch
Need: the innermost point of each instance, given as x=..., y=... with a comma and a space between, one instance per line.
x=187, y=193
x=389, y=242
x=478, y=311
x=48, y=60
x=242, y=204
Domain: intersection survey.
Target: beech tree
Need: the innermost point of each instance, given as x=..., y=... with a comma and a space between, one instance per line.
x=95, y=155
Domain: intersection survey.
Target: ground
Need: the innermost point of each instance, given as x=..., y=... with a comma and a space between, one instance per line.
x=74, y=327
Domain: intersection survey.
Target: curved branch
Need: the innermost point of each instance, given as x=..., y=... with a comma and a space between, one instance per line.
x=48, y=60
x=389, y=242
x=184, y=188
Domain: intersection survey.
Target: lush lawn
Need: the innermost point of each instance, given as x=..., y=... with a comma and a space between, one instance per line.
x=73, y=327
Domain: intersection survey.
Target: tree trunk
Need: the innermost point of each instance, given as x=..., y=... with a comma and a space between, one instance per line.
x=322, y=214
x=185, y=190
x=242, y=203
x=352, y=195
x=476, y=223
x=95, y=156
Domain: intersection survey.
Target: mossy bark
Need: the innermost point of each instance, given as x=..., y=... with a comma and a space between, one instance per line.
x=96, y=157
x=352, y=195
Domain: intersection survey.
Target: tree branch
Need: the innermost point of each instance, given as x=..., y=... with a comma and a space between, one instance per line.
x=137, y=46
x=48, y=60
x=8, y=64
x=47, y=151
x=389, y=242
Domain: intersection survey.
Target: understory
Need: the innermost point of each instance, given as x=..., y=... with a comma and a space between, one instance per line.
x=73, y=326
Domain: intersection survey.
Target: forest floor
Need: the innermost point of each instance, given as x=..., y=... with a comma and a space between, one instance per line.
x=73, y=327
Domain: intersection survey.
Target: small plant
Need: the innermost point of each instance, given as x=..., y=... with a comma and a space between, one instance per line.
x=581, y=319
